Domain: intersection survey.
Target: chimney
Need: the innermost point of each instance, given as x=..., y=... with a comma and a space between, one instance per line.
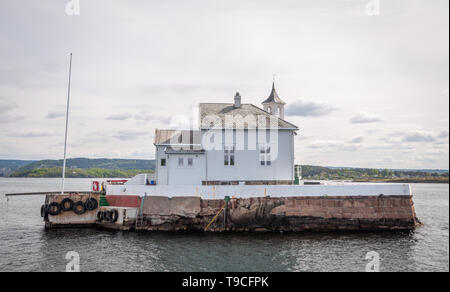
x=237, y=100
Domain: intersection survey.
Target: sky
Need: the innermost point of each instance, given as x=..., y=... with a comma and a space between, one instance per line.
x=366, y=81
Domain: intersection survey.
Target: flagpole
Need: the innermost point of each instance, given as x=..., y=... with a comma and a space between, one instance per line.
x=67, y=124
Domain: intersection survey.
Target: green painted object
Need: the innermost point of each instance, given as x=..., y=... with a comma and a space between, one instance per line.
x=103, y=201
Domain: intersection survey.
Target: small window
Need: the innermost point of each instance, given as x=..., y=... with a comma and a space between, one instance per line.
x=163, y=162
x=190, y=161
x=180, y=161
x=229, y=156
x=264, y=156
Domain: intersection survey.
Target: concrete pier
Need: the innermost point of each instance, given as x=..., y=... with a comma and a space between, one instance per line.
x=258, y=214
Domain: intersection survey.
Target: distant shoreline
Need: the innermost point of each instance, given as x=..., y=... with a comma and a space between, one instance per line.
x=406, y=181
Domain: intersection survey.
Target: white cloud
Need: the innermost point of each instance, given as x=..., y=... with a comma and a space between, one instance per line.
x=145, y=116
x=366, y=118
x=418, y=136
x=302, y=108
x=130, y=134
x=8, y=119
x=119, y=117
x=5, y=109
x=32, y=134
x=6, y=106
x=357, y=140
x=56, y=114
x=330, y=145
x=444, y=134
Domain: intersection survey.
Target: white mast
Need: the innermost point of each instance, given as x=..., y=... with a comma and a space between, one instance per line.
x=67, y=124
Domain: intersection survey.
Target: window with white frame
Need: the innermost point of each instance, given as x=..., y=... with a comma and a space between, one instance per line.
x=229, y=156
x=190, y=161
x=180, y=161
x=264, y=155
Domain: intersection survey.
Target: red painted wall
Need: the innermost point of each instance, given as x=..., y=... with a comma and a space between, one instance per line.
x=124, y=201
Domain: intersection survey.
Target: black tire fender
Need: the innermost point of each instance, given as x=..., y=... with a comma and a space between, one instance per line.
x=100, y=215
x=114, y=216
x=91, y=204
x=66, y=201
x=107, y=216
x=54, y=208
x=79, y=208
x=44, y=210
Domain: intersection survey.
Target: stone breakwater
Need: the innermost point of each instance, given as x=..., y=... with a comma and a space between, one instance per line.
x=265, y=214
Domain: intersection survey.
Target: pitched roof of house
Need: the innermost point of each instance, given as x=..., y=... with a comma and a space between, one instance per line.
x=175, y=137
x=212, y=115
x=273, y=97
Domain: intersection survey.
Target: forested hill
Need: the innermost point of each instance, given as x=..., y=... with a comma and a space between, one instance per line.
x=373, y=174
x=86, y=163
x=9, y=166
x=83, y=167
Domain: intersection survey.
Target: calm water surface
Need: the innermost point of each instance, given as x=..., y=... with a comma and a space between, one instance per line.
x=26, y=246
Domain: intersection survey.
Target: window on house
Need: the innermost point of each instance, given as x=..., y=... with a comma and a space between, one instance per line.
x=229, y=156
x=190, y=161
x=163, y=162
x=264, y=156
x=180, y=161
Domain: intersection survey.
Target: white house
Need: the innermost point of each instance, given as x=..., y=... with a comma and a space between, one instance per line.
x=236, y=143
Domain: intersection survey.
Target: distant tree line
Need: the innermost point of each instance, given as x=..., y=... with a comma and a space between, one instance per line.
x=370, y=174
x=80, y=173
x=77, y=167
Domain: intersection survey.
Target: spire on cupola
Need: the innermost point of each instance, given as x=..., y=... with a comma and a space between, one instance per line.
x=273, y=104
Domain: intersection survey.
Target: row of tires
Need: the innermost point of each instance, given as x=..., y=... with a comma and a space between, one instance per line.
x=110, y=216
x=67, y=205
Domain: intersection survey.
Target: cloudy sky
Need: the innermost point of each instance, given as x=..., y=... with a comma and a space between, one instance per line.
x=368, y=87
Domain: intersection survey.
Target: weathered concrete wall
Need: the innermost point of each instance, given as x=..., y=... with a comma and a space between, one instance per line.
x=292, y=214
x=69, y=218
x=126, y=218
x=178, y=206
